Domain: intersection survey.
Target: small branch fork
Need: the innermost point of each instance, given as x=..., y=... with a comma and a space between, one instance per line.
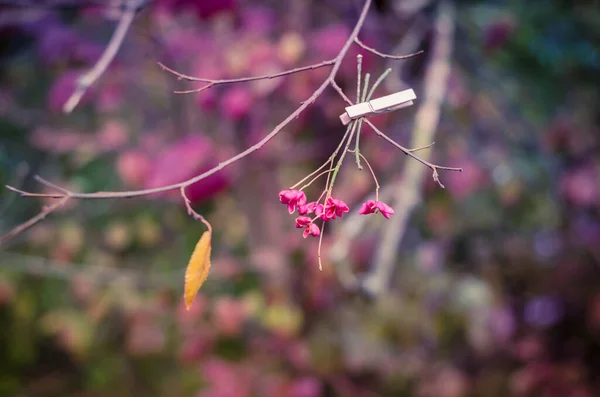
x=409, y=152
x=211, y=83
x=63, y=195
x=381, y=54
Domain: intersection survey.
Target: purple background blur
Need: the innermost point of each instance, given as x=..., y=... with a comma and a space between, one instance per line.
x=496, y=290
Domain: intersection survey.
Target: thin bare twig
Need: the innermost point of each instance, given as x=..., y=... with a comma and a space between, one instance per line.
x=383, y=55
x=89, y=78
x=422, y=147
x=182, y=185
x=212, y=83
x=38, y=218
x=51, y=185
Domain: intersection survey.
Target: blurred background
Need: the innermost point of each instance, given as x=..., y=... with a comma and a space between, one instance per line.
x=490, y=287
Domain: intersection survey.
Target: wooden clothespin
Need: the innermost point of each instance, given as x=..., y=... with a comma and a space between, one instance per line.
x=384, y=104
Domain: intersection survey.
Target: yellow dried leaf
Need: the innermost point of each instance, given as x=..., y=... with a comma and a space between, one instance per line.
x=197, y=269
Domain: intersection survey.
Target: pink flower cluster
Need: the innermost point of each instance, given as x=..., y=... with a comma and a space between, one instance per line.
x=333, y=208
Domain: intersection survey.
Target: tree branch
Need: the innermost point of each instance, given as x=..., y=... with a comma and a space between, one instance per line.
x=66, y=194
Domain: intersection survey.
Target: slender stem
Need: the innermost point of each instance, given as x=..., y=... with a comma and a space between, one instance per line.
x=212, y=82
x=378, y=82
x=408, y=152
x=360, y=121
x=314, y=179
x=359, y=59
x=359, y=77
x=324, y=190
x=362, y=99
x=192, y=212
x=365, y=89
x=312, y=173
x=329, y=160
x=381, y=54
x=341, y=159
x=320, y=244
x=346, y=138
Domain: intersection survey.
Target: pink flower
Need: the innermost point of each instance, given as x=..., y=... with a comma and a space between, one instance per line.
x=312, y=230
x=311, y=207
x=188, y=156
x=309, y=227
x=334, y=208
x=236, y=103
x=302, y=221
x=292, y=198
x=372, y=206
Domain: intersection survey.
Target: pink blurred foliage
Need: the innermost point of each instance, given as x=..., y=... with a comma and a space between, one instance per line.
x=462, y=184
x=528, y=347
x=579, y=186
x=83, y=289
x=305, y=387
x=553, y=379
x=58, y=43
x=207, y=100
x=227, y=379
x=145, y=334
x=564, y=134
x=503, y=323
x=236, y=102
x=328, y=40
x=272, y=385
x=258, y=20
x=196, y=345
x=586, y=231
x=201, y=8
x=133, y=166
x=112, y=135
x=229, y=316
x=110, y=96
x=498, y=33
x=57, y=141
x=183, y=159
x=297, y=353
x=227, y=267
x=188, y=319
